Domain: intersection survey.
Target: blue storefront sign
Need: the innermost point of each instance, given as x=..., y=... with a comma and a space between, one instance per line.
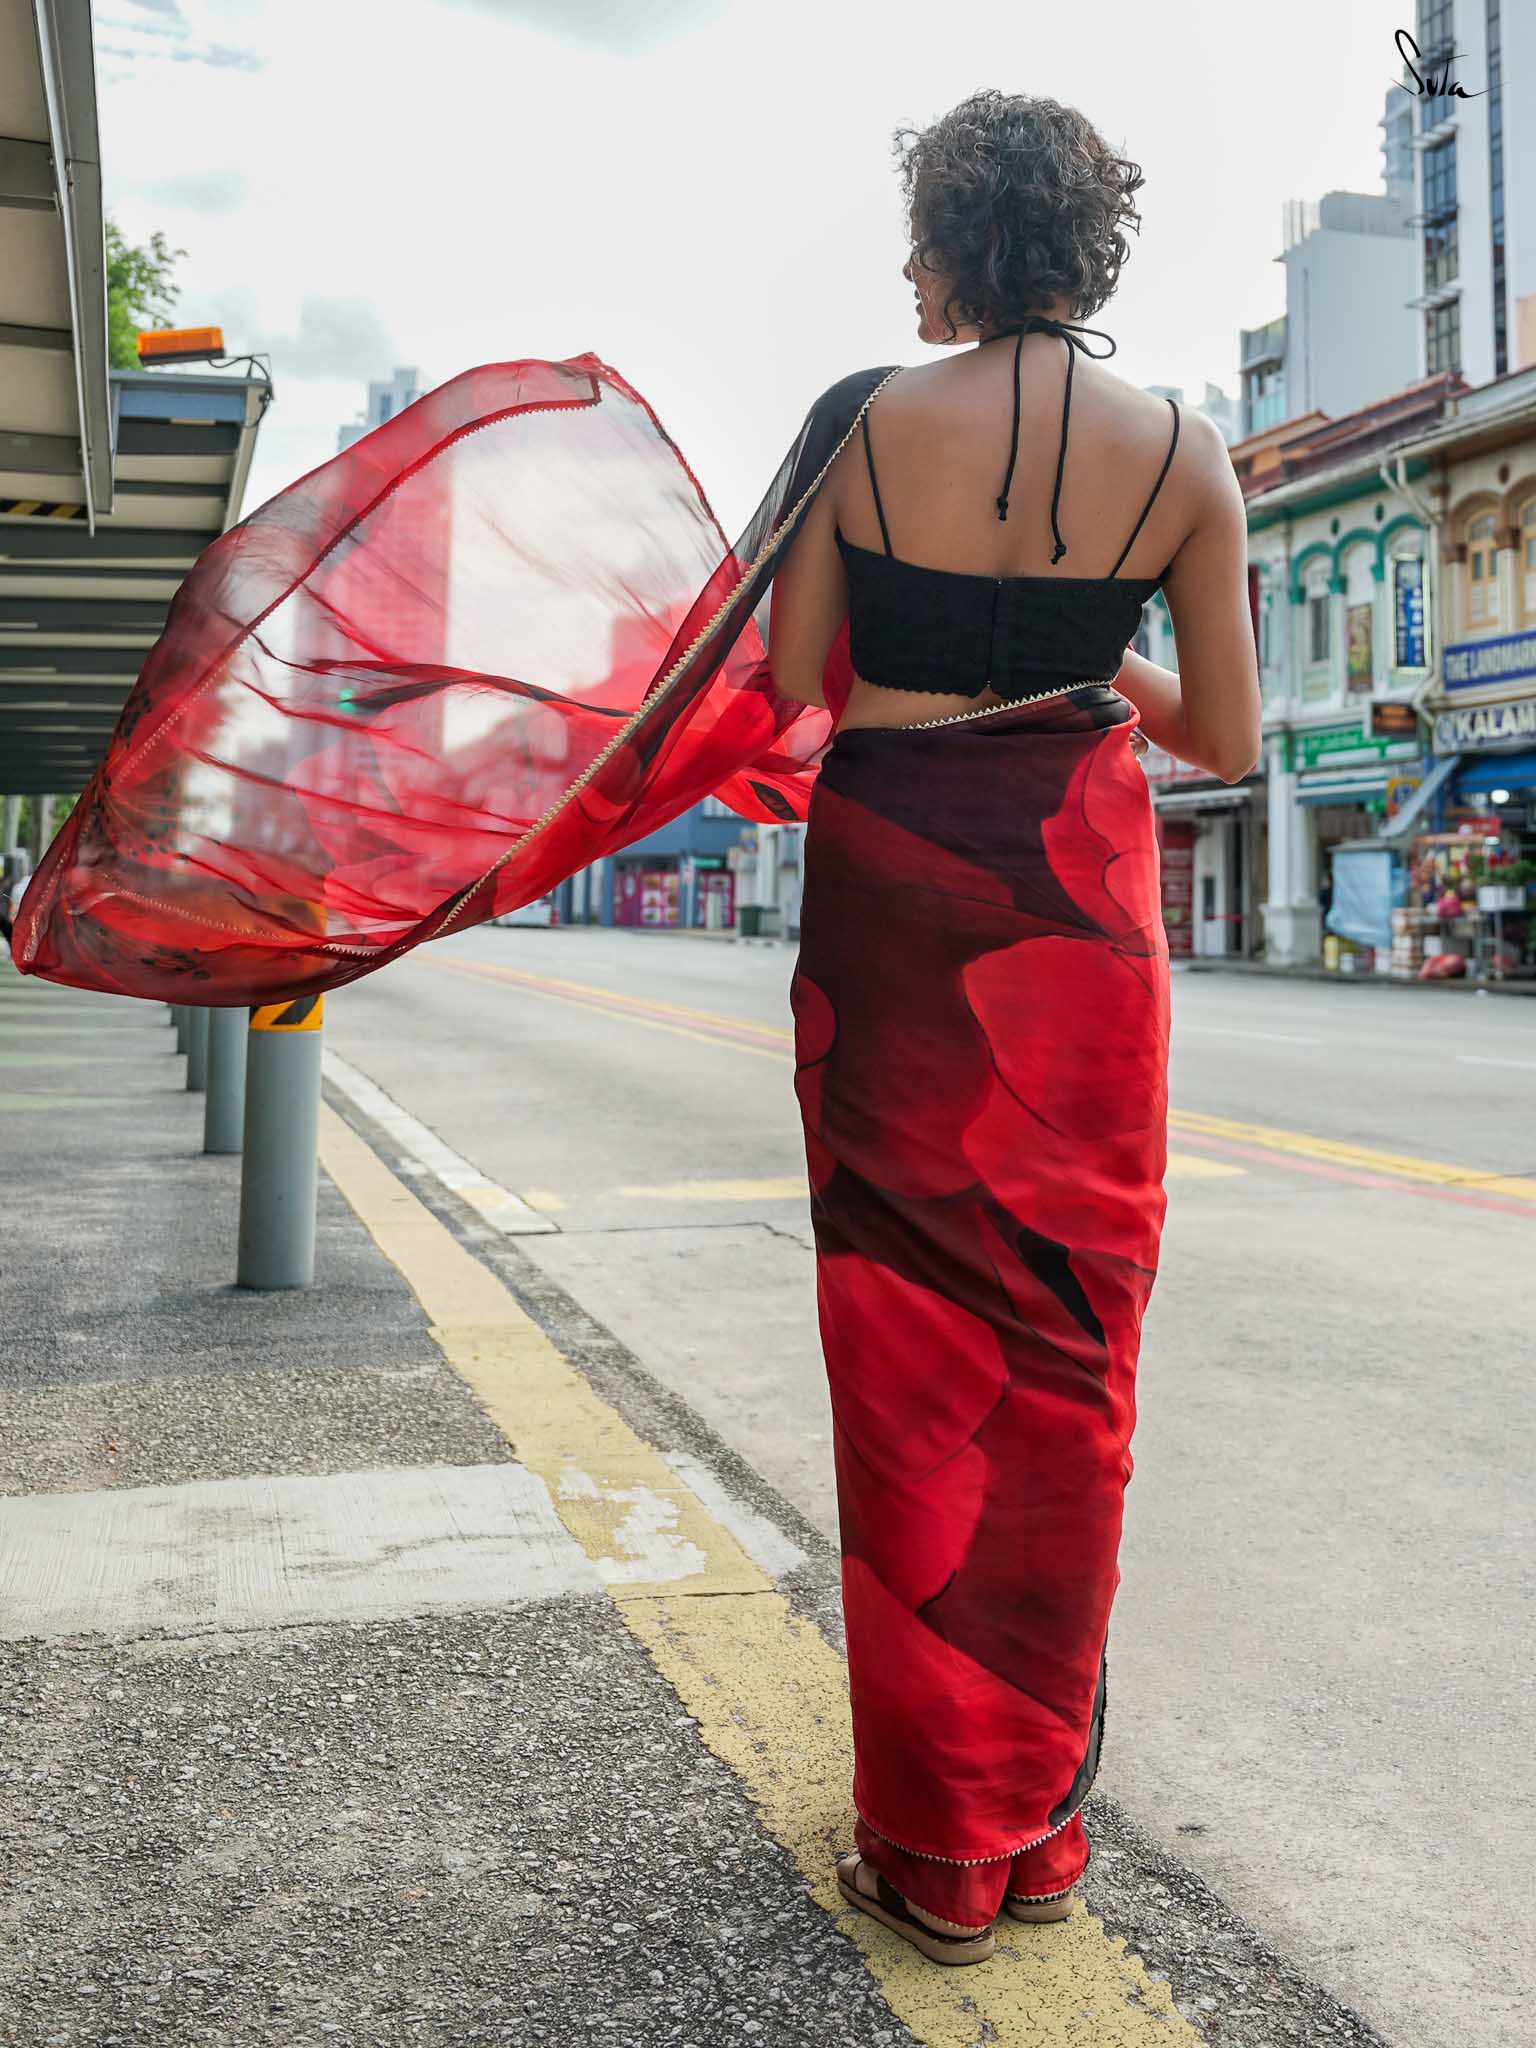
x=1408, y=598
x=1477, y=664
x=1478, y=728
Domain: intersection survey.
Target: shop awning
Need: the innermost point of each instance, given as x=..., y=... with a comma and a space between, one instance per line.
x=1482, y=772
x=1225, y=797
x=1407, y=817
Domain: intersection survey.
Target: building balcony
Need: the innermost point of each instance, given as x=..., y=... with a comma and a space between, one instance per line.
x=1438, y=295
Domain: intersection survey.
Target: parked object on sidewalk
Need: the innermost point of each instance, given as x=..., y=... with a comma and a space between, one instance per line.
x=540, y=912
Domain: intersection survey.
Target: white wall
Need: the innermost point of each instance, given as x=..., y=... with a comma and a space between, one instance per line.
x=1351, y=335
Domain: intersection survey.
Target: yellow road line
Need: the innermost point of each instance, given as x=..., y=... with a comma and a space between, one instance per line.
x=1402, y=1165
x=1192, y=1166
x=785, y=1187
x=1269, y=1137
x=602, y=998
x=768, y=1692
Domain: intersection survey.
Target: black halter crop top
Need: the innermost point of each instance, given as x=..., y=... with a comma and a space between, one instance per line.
x=943, y=630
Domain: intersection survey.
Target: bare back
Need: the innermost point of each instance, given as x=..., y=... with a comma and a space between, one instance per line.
x=939, y=434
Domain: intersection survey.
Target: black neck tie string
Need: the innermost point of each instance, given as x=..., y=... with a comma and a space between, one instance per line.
x=1040, y=323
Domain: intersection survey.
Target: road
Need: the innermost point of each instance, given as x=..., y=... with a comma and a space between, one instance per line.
x=1320, y=1683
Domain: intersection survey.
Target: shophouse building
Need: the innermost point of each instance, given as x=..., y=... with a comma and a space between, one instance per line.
x=1341, y=575
x=1468, y=841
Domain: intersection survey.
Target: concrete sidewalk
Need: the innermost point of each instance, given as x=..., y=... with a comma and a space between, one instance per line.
x=392, y=1661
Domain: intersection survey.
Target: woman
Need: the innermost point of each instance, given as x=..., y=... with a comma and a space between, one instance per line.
x=981, y=1001
x=504, y=636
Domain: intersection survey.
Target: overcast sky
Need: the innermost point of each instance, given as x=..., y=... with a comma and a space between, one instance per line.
x=701, y=191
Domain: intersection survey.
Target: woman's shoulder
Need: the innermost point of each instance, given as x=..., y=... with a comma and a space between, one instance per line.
x=841, y=401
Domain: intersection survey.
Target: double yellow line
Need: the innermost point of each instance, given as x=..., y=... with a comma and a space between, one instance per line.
x=773, y=1041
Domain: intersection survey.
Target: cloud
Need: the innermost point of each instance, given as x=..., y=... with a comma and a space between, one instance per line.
x=334, y=338
x=198, y=191
x=616, y=24
x=131, y=42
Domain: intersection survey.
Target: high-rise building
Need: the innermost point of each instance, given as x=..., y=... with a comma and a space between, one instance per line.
x=1475, y=184
x=1221, y=407
x=386, y=397
x=1347, y=336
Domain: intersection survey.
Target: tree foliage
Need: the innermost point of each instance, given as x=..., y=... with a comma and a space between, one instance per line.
x=141, y=291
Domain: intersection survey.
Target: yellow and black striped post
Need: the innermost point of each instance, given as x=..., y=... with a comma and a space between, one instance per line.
x=282, y=1135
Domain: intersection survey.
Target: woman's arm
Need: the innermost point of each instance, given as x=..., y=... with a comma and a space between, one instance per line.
x=1209, y=713
x=807, y=604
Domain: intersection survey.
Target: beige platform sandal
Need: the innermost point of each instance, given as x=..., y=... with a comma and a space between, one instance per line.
x=863, y=1886
x=1038, y=1911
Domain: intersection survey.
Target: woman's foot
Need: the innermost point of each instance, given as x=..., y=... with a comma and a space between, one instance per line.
x=942, y=1941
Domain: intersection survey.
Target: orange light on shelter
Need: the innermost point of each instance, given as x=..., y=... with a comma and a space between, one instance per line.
x=181, y=345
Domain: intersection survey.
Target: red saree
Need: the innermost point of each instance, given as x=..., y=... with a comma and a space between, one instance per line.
x=981, y=1023
x=505, y=635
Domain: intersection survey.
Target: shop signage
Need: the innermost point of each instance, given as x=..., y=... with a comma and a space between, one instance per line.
x=1486, y=728
x=1164, y=767
x=1394, y=719
x=1357, y=646
x=1337, y=746
x=1470, y=664
x=1408, y=604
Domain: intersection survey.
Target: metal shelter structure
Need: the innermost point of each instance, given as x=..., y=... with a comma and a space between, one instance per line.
x=112, y=482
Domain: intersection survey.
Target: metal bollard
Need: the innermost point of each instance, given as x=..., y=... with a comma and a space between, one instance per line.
x=181, y=1013
x=197, y=1049
x=279, y=1174
x=224, y=1103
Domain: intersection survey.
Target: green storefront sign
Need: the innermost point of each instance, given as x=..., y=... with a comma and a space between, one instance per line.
x=1341, y=746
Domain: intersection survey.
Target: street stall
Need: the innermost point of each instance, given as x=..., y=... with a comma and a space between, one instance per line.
x=1466, y=913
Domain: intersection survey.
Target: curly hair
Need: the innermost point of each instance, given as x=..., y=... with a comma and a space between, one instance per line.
x=1017, y=202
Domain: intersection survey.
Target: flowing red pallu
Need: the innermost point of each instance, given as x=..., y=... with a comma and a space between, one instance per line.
x=497, y=638
x=981, y=1007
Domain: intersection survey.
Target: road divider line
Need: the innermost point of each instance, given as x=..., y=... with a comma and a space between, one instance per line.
x=603, y=997
x=1339, y=1152
x=1282, y=1144
x=768, y=1692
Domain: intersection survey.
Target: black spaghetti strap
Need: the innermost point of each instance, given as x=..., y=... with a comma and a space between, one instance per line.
x=1167, y=459
x=869, y=456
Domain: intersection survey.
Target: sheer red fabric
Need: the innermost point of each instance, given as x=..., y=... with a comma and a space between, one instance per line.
x=495, y=639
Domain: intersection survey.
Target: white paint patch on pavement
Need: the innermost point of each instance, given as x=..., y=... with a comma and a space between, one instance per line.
x=258, y=1553
x=763, y=1541
x=423, y=1148
x=646, y=1533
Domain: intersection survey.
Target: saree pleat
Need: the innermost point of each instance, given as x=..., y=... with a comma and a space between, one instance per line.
x=981, y=1028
